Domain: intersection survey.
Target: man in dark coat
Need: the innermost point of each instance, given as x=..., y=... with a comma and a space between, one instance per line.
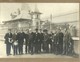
x=68, y=43
x=45, y=41
x=20, y=37
x=36, y=41
x=8, y=42
x=59, y=39
x=41, y=37
x=50, y=42
x=15, y=43
x=53, y=42
x=26, y=41
x=55, y=48
x=31, y=43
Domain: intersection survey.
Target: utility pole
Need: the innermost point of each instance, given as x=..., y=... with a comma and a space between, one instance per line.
x=50, y=22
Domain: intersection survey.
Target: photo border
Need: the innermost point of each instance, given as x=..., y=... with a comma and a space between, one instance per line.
x=41, y=59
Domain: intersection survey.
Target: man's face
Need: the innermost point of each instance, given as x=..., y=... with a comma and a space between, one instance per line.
x=30, y=31
x=58, y=30
x=36, y=30
x=41, y=31
x=45, y=32
x=9, y=31
x=26, y=31
x=21, y=31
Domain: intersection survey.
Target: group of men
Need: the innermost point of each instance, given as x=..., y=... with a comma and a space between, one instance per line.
x=39, y=41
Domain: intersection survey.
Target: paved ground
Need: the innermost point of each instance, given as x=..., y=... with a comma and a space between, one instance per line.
x=3, y=53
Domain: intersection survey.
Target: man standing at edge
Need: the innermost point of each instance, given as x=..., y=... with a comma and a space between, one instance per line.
x=8, y=42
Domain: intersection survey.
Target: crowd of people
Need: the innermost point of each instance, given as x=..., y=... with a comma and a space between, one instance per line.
x=39, y=41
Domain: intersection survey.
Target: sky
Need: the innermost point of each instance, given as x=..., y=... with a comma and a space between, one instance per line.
x=45, y=8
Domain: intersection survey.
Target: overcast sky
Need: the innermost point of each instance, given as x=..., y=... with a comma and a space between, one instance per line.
x=45, y=8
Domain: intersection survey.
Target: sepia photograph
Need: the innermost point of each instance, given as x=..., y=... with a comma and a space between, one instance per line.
x=39, y=30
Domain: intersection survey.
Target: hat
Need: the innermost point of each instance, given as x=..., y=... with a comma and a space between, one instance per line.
x=9, y=29
x=40, y=29
x=36, y=29
x=45, y=30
